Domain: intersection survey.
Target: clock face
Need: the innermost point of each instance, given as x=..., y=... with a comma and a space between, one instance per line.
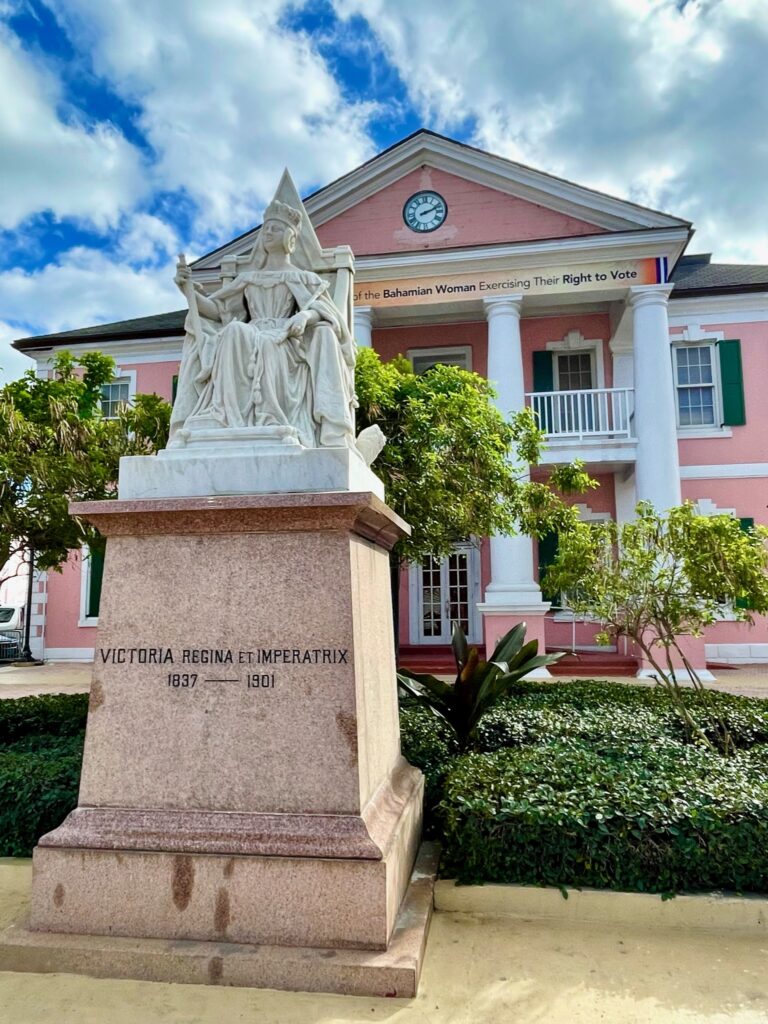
x=425, y=211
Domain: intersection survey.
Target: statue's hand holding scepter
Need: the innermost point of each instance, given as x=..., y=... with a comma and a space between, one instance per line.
x=184, y=281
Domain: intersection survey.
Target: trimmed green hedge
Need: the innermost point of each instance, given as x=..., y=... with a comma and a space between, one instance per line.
x=590, y=784
x=582, y=783
x=58, y=714
x=41, y=751
x=651, y=818
x=37, y=791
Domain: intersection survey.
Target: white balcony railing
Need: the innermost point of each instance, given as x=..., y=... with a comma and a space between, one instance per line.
x=600, y=413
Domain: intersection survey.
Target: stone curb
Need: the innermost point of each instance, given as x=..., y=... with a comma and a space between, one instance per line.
x=704, y=911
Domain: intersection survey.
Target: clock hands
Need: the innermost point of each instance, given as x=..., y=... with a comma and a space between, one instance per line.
x=425, y=211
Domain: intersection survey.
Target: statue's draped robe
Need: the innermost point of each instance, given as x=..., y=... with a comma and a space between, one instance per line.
x=246, y=372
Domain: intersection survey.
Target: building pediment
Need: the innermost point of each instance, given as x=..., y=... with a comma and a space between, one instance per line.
x=491, y=200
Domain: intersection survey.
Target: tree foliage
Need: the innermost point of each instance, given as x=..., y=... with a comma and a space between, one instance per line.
x=56, y=447
x=663, y=577
x=446, y=467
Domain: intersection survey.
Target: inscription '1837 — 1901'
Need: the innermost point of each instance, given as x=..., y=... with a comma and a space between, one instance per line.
x=223, y=656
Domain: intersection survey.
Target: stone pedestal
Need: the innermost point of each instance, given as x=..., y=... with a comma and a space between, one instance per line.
x=242, y=466
x=242, y=778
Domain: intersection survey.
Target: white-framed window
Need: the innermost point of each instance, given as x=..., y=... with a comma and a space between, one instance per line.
x=444, y=591
x=560, y=606
x=117, y=393
x=574, y=371
x=577, y=363
x=696, y=372
x=423, y=359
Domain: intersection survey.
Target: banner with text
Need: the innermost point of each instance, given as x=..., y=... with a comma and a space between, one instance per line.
x=543, y=281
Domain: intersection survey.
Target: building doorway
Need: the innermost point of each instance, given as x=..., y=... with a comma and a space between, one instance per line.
x=444, y=591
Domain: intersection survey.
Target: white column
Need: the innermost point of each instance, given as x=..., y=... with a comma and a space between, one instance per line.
x=658, y=468
x=512, y=587
x=363, y=326
x=626, y=497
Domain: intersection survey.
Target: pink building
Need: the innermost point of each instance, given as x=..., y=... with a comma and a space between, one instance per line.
x=645, y=362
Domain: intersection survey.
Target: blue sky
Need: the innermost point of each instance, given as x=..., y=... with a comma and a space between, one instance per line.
x=133, y=129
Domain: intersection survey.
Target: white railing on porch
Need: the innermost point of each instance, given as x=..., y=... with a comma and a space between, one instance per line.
x=600, y=412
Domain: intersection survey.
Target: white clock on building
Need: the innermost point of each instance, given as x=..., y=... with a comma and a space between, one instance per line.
x=425, y=211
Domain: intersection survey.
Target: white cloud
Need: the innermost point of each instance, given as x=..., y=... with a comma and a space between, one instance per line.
x=228, y=97
x=12, y=363
x=85, y=287
x=663, y=103
x=72, y=170
x=147, y=239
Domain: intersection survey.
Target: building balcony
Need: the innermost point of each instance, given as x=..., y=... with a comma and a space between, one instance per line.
x=595, y=425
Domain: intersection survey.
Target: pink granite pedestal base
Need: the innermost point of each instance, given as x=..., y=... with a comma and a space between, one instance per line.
x=393, y=972
x=242, y=778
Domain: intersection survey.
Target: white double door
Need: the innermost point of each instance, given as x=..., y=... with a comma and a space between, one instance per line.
x=444, y=591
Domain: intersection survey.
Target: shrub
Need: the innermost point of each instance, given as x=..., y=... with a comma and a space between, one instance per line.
x=41, y=750
x=60, y=714
x=37, y=791
x=428, y=743
x=479, y=685
x=649, y=817
x=537, y=712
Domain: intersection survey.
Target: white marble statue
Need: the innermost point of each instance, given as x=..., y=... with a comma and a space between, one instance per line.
x=267, y=354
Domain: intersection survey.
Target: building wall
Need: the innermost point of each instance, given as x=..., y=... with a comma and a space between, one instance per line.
x=63, y=636
x=153, y=378
x=747, y=443
x=477, y=215
x=394, y=341
x=746, y=496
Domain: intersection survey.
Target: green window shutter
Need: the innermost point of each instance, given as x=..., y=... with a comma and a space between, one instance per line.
x=95, y=578
x=543, y=372
x=543, y=380
x=548, y=544
x=174, y=387
x=746, y=523
x=732, y=383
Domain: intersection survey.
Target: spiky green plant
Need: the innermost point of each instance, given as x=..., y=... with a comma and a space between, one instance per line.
x=479, y=684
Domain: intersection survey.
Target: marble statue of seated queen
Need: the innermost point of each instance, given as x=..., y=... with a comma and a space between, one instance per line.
x=268, y=357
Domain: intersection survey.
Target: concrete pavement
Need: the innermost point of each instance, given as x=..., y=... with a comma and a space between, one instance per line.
x=73, y=677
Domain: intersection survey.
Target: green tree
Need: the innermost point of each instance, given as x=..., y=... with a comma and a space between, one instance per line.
x=56, y=447
x=663, y=577
x=454, y=467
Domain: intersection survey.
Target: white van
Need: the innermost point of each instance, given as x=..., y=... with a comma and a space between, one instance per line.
x=11, y=617
x=11, y=632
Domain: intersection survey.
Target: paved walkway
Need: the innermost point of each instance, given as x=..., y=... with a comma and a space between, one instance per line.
x=67, y=677
x=478, y=970
x=53, y=677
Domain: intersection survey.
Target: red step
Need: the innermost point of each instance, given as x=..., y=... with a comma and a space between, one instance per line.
x=436, y=659
x=589, y=664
